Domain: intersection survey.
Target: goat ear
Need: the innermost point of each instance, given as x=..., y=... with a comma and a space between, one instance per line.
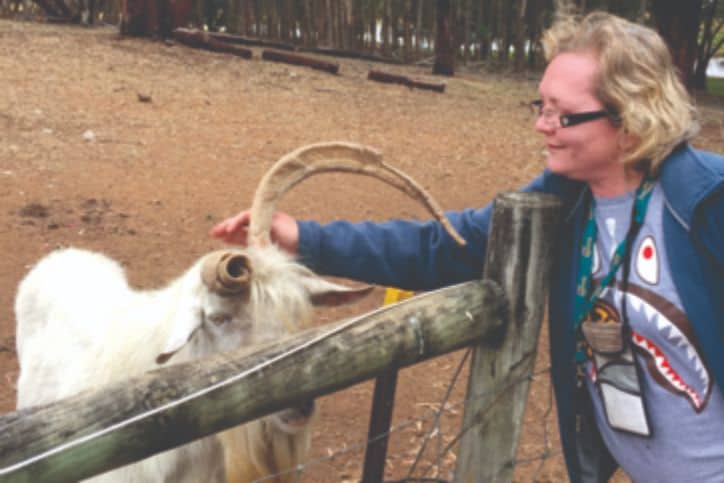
x=186, y=323
x=322, y=292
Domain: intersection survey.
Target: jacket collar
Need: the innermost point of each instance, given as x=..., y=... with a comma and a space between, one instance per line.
x=687, y=179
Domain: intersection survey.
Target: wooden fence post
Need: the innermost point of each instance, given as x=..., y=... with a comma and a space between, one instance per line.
x=519, y=257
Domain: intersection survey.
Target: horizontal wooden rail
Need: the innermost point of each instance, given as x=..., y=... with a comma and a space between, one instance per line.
x=105, y=428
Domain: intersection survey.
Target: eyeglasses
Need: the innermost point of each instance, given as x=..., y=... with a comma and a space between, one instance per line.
x=550, y=116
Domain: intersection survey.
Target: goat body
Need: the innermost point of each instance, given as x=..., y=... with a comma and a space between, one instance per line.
x=80, y=325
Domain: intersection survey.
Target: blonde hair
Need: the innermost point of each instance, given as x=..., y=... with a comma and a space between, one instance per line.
x=636, y=79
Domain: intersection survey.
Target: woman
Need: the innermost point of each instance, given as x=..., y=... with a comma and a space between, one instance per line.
x=636, y=324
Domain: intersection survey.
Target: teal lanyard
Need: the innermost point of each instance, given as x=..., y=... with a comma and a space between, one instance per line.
x=585, y=297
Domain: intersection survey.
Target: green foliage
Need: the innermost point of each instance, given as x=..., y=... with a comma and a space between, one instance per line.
x=715, y=85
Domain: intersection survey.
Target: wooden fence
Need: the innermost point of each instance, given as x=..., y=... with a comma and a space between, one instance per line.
x=105, y=428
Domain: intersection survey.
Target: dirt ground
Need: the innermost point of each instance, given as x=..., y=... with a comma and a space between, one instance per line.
x=84, y=162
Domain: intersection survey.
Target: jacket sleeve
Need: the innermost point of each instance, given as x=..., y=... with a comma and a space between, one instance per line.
x=400, y=253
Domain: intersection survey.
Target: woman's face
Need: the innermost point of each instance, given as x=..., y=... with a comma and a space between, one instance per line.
x=589, y=151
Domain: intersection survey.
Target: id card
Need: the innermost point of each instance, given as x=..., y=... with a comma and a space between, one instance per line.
x=618, y=383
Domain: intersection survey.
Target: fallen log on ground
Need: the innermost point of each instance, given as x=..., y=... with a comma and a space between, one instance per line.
x=295, y=59
x=386, y=77
x=202, y=40
x=58, y=19
x=240, y=39
x=349, y=54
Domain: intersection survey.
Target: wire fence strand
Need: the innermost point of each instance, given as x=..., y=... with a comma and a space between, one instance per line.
x=433, y=416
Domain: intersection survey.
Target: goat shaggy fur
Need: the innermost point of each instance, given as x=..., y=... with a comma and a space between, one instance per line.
x=80, y=325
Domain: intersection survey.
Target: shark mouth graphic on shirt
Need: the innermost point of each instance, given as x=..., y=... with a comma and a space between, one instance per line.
x=672, y=324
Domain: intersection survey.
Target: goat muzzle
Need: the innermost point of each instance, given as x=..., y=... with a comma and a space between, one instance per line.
x=226, y=273
x=294, y=418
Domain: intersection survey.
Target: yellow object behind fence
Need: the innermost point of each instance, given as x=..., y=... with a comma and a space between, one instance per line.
x=394, y=295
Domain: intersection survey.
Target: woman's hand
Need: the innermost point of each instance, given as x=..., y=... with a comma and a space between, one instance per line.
x=284, y=230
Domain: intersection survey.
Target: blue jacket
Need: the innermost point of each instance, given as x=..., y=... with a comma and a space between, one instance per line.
x=420, y=256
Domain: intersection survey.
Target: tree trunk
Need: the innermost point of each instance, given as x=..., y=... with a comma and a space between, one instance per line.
x=148, y=18
x=271, y=30
x=407, y=32
x=239, y=21
x=485, y=27
x=307, y=24
x=372, y=26
x=358, y=25
x=520, y=34
x=396, y=27
x=257, y=17
x=329, y=23
x=418, y=28
x=386, y=20
x=506, y=22
x=495, y=29
x=444, y=54
x=466, y=23
x=643, y=10
x=345, y=30
x=709, y=44
x=678, y=24
x=285, y=19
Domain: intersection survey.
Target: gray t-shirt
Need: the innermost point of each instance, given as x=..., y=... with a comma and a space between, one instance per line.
x=684, y=404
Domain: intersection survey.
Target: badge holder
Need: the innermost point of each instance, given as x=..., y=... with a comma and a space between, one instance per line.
x=617, y=378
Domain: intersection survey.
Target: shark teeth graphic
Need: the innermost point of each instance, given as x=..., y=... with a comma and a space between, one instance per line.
x=649, y=311
x=617, y=297
x=672, y=332
x=663, y=366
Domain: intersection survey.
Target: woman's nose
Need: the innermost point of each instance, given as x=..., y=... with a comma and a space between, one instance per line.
x=543, y=126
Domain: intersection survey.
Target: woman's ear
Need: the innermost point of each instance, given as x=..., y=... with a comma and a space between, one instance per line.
x=626, y=141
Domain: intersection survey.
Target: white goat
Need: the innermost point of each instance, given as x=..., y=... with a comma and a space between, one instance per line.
x=80, y=325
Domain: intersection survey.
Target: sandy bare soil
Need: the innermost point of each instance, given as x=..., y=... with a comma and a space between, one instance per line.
x=84, y=162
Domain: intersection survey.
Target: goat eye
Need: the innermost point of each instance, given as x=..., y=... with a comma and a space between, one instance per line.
x=220, y=319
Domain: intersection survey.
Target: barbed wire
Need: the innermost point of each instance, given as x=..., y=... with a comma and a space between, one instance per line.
x=481, y=416
x=436, y=422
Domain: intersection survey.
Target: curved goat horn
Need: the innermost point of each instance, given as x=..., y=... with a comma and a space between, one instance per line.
x=226, y=273
x=312, y=159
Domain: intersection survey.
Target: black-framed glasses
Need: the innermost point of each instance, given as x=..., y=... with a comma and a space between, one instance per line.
x=550, y=116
